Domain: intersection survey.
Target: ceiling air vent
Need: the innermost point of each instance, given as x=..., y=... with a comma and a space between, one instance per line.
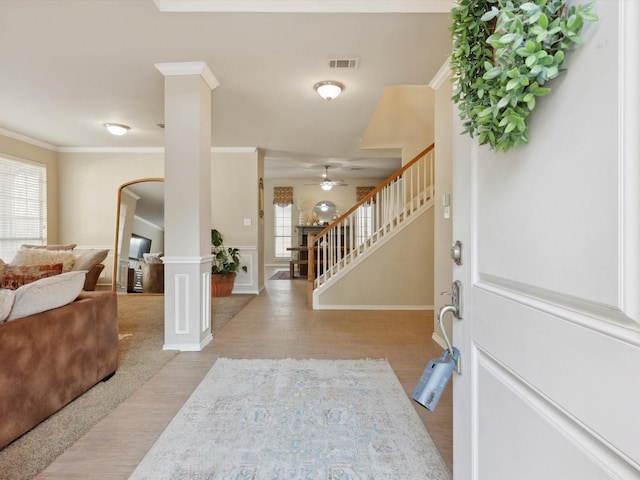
x=344, y=63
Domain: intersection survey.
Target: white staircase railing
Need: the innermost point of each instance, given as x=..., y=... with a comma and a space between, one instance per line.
x=377, y=215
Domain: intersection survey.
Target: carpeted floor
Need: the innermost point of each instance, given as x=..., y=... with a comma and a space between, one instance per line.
x=295, y=419
x=140, y=356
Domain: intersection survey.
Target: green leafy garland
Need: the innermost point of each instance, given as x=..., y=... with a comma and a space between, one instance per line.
x=504, y=52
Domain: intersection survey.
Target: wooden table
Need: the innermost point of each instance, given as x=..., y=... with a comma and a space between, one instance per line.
x=302, y=261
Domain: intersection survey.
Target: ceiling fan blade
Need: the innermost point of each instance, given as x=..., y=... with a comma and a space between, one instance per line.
x=327, y=181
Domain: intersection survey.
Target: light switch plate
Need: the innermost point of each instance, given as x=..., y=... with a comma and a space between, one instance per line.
x=247, y=222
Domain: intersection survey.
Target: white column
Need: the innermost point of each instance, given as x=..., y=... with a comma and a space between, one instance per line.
x=187, y=211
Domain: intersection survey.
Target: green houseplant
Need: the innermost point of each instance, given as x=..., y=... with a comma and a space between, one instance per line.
x=224, y=267
x=504, y=52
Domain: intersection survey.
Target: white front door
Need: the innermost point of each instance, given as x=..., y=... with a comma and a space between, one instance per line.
x=550, y=339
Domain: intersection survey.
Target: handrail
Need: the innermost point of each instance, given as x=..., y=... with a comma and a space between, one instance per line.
x=394, y=176
x=391, y=203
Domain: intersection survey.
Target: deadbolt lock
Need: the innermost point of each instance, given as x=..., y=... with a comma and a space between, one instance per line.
x=456, y=252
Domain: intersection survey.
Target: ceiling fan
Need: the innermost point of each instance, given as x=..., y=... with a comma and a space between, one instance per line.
x=326, y=184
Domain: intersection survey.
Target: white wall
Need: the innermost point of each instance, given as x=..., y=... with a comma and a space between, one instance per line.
x=443, y=265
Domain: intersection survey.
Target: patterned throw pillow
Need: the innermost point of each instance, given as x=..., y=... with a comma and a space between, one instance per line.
x=14, y=276
x=42, y=256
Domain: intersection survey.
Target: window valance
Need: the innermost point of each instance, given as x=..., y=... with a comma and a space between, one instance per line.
x=282, y=196
x=362, y=192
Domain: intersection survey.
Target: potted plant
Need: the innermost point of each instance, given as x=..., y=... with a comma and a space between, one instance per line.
x=224, y=267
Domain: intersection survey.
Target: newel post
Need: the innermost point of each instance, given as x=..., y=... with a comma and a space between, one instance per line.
x=311, y=268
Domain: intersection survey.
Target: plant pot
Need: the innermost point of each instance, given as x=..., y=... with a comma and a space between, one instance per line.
x=222, y=285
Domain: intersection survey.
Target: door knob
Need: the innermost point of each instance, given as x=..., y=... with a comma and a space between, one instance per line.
x=455, y=294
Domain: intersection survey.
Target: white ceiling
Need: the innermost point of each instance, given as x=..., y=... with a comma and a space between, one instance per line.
x=67, y=67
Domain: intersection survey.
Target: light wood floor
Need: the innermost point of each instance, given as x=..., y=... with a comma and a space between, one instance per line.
x=276, y=324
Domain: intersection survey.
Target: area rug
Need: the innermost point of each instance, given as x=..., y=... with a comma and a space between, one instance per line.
x=295, y=419
x=140, y=356
x=284, y=275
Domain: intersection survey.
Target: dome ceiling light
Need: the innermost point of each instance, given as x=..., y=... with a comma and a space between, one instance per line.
x=328, y=89
x=117, y=128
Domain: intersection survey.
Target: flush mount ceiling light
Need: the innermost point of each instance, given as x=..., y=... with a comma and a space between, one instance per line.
x=328, y=89
x=116, y=128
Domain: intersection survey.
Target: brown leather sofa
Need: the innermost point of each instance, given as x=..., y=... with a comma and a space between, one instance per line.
x=50, y=358
x=91, y=279
x=153, y=277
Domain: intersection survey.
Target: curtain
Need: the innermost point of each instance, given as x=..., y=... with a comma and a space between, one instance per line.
x=283, y=196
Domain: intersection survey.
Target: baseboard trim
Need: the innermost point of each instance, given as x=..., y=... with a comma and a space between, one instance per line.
x=439, y=340
x=373, y=307
x=189, y=347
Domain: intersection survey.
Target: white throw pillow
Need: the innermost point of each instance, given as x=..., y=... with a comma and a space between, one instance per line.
x=47, y=294
x=152, y=257
x=70, y=246
x=42, y=256
x=6, y=302
x=89, y=258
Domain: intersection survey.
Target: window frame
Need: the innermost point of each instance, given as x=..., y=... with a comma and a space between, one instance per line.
x=23, y=204
x=282, y=231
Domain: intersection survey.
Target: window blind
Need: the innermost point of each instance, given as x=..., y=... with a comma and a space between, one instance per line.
x=23, y=205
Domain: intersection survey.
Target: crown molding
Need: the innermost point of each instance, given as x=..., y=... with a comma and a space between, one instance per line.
x=27, y=139
x=148, y=149
x=111, y=149
x=234, y=149
x=307, y=6
x=442, y=76
x=189, y=68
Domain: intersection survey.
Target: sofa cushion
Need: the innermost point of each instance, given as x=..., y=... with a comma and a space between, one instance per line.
x=6, y=302
x=70, y=246
x=47, y=294
x=42, y=256
x=15, y=276
x=89, y=258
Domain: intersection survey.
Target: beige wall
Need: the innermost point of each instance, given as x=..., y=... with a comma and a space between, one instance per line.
x=235, y=177
x=395, y=276
x=403, y=119
x=19, y=150
x=304, y=198
x=89, y=184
